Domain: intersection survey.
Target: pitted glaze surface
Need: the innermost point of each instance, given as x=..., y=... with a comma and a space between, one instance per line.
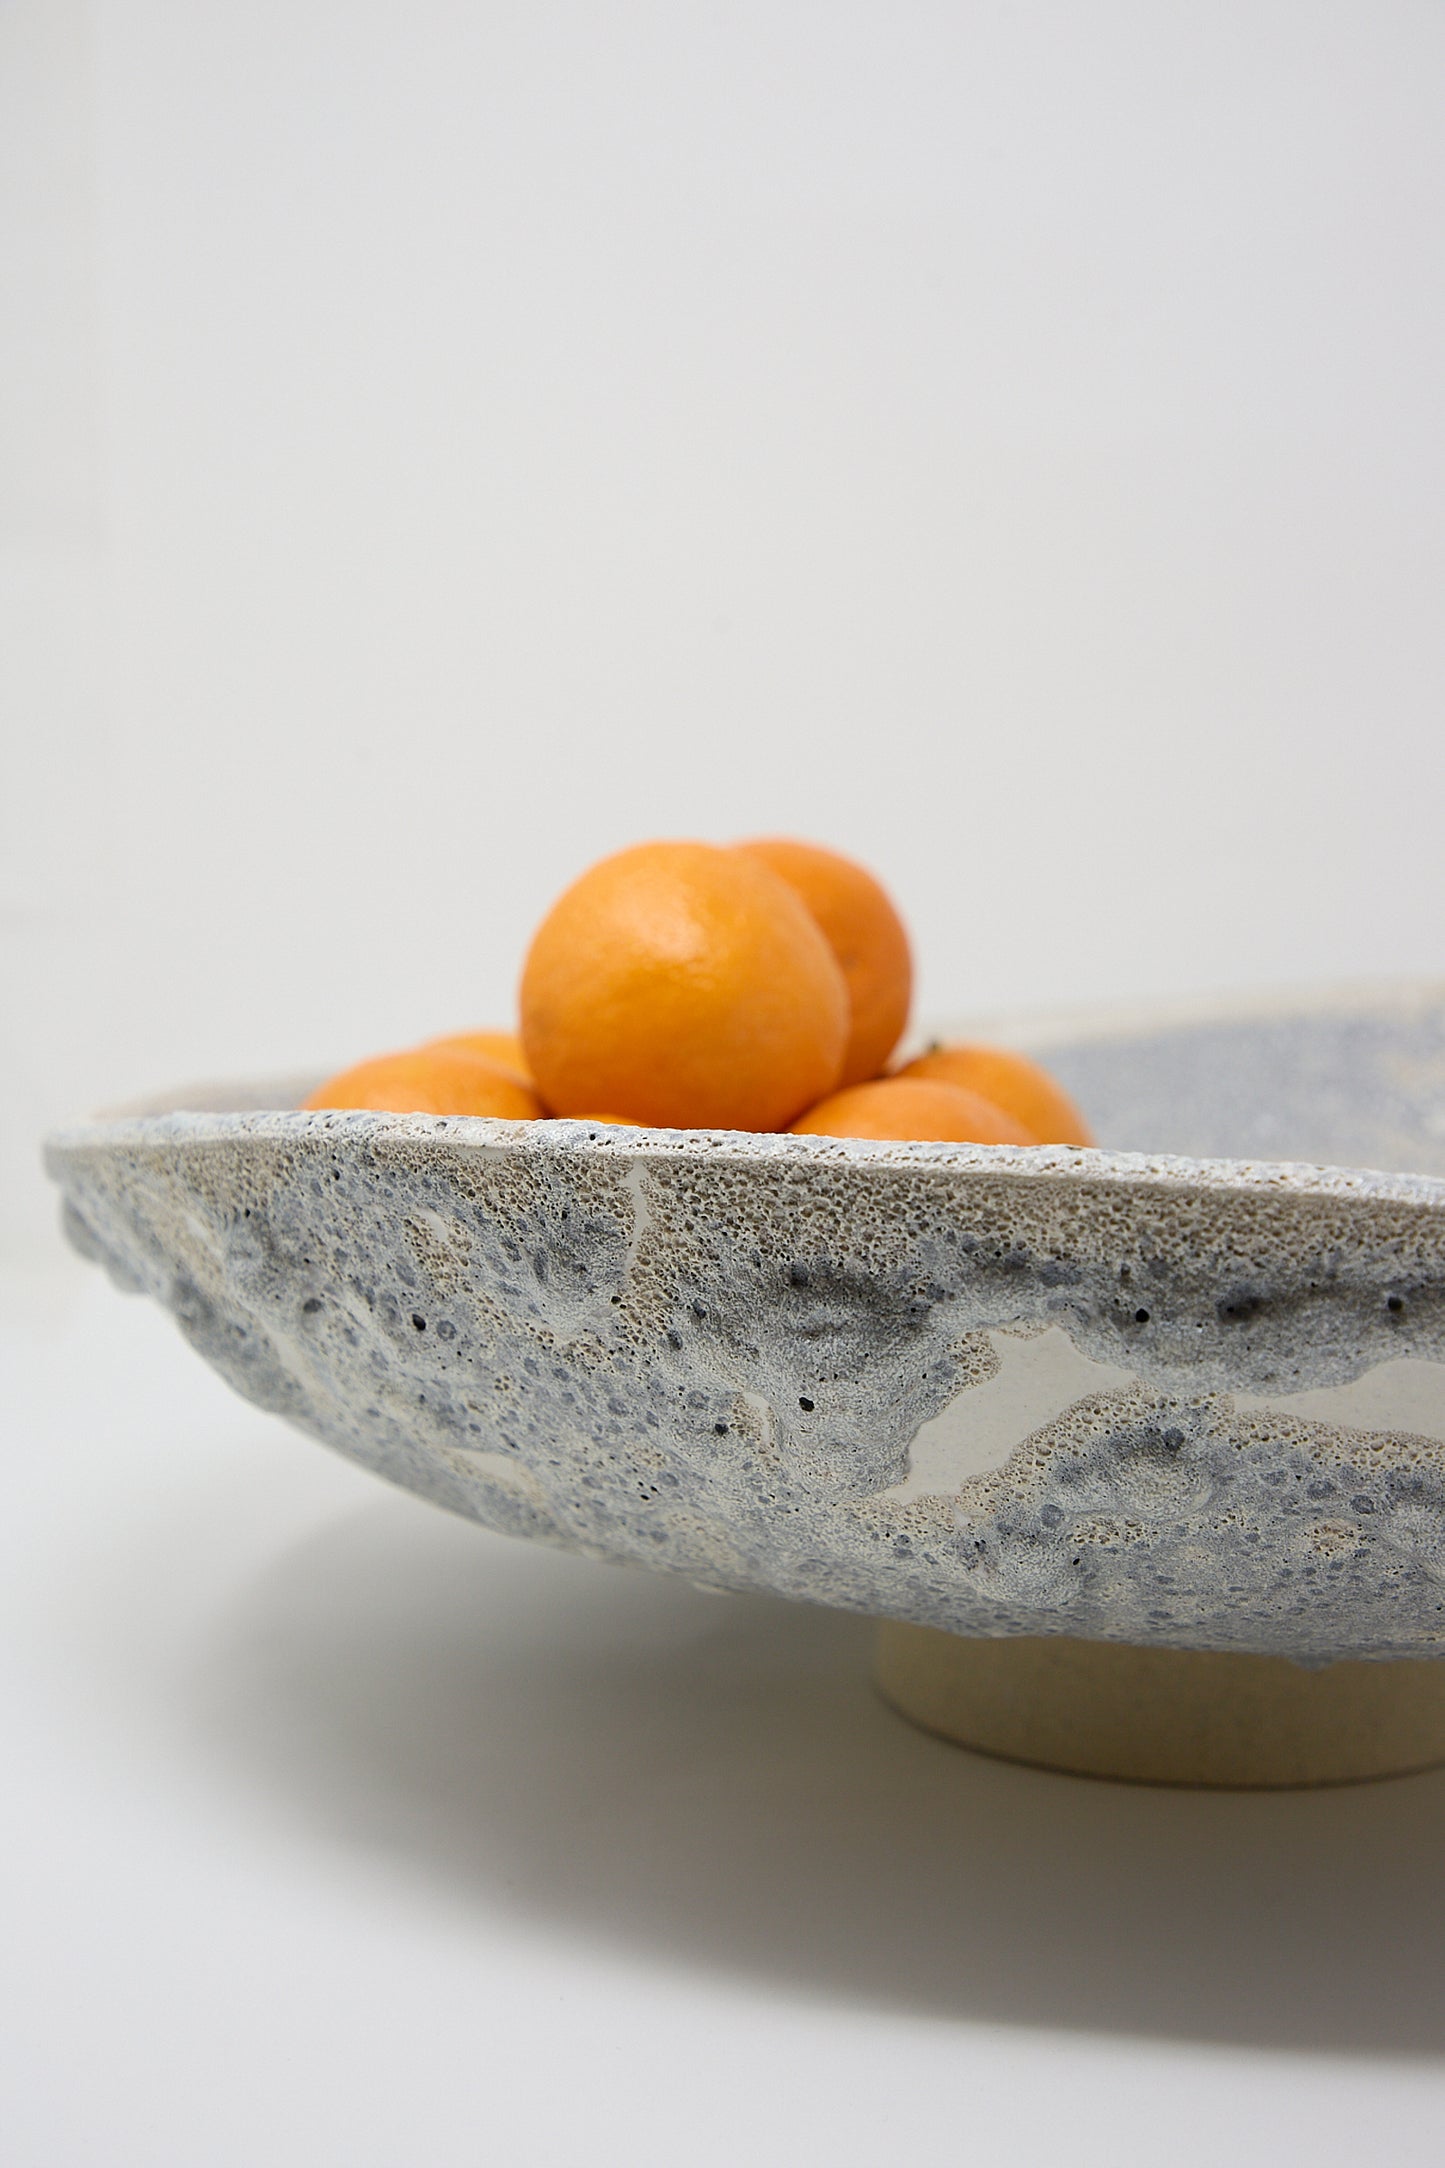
x=715, y=1354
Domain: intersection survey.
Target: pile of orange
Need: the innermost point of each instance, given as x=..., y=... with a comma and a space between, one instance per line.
x=758, y=986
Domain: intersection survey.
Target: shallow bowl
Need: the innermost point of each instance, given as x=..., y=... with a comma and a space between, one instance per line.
x=1126, y=1394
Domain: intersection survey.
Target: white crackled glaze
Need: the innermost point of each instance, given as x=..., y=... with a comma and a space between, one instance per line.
x=1039, y=1378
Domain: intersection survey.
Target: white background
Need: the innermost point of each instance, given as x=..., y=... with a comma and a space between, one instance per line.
x=440, y=444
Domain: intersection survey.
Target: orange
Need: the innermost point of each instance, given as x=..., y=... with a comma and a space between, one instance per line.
x=503, y=1049
x=685, y=986
x=914, y=1111
x=1012, y=1082
x=866, y=935
x=430, y=1080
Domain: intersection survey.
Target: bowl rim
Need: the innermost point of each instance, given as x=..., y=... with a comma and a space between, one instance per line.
x=224, y=1113
x=1067, y=1164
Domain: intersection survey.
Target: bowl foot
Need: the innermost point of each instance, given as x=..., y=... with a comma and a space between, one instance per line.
x=1166, y=1716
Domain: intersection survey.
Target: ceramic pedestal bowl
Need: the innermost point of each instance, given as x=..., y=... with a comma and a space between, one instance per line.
x=1140, y=1456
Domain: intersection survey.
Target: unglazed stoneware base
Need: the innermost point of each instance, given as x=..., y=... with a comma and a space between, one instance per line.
x=1166, y=1716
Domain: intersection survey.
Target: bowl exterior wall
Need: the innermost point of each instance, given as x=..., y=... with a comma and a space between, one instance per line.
x=1166, y=1402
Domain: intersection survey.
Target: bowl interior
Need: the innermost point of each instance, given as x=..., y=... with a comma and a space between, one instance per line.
x=1345, y=1078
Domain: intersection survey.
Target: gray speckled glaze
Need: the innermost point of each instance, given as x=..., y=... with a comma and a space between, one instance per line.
x=1194, y=1402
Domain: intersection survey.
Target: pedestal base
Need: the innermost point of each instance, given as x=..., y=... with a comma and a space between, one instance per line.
x=1166, y=1716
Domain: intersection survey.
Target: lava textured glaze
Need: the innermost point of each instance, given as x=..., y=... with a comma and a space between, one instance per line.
x=998, y=1390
